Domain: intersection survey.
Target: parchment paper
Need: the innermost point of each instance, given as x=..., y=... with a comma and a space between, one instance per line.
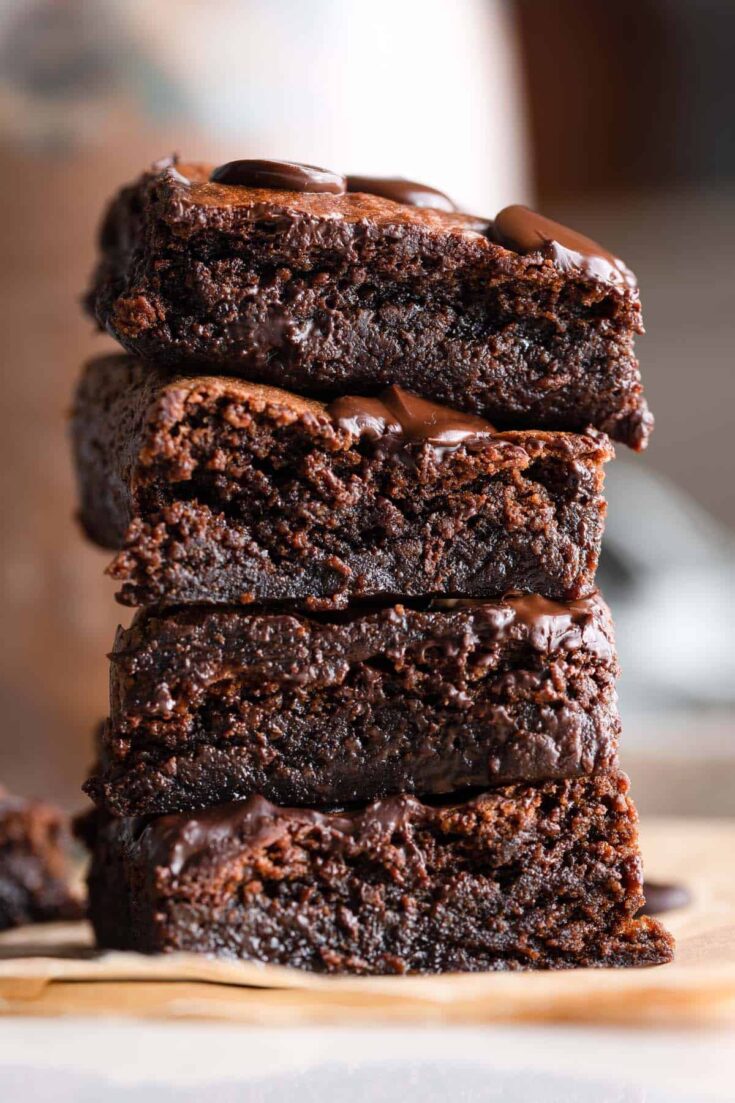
x=54, y=969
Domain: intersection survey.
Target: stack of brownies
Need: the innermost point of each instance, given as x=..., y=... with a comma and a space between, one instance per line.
x=364, y=719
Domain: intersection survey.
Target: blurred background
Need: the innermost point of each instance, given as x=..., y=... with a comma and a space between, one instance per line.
x=614, y=118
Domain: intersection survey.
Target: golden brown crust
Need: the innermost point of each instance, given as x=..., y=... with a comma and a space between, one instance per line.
x=352, y=206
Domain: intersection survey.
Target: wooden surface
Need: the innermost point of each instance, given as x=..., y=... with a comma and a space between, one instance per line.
x=54, y=970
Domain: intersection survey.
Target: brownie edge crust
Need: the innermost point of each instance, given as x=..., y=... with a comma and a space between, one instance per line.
x=520, y=878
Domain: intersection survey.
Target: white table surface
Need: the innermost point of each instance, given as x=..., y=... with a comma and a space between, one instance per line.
x=83, y=1061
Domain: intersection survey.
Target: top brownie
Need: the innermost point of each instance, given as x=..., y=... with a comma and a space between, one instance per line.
x=519, y=320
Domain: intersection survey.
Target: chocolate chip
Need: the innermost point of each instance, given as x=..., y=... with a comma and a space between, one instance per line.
x=286, y=175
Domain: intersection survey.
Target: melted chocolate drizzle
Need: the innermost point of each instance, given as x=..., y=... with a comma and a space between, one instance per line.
x=548, y=626
x=548, y=622
x=175, y=840
x=286, y=175
x=525, y=231
x=397, y=415
x=401, y=191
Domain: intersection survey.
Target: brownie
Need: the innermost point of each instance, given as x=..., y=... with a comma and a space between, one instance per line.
x=519, y=320
x=522, y=877
x=211, y=705
x=218, y=490
x=34, y=886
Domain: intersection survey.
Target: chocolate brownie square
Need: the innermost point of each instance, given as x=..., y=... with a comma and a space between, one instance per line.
x=522, y=877
x=214, y=704
x=217, y=490
x=518, y=319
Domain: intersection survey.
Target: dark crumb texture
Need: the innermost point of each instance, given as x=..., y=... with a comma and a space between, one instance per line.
x=523, y=877
x=213, y=705
x=334, y=294
x=34, y=885
x=216, y=490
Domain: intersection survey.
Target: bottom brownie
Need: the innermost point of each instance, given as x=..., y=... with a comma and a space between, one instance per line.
x=545, y=876
x=33, y=864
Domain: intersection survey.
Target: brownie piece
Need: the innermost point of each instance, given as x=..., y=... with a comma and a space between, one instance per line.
x=224, y=491
x=522, y=877
x=34, y=885
x=330, y=294
x=214, y=705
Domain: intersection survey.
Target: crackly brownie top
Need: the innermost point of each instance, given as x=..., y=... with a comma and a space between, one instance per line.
x=395, y=415
x=179, y=839
x=255, y=189
x=192, y=641
x=192, y=183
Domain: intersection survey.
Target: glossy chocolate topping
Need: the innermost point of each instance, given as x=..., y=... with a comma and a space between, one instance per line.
x=525, y=231
x=548, y=622
x=663, y=897
x=403, y=416
x=175, y=839
x=401, y=191
x=167, y=662
x=172, y=841
x=286, y=175
x=548, y=626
